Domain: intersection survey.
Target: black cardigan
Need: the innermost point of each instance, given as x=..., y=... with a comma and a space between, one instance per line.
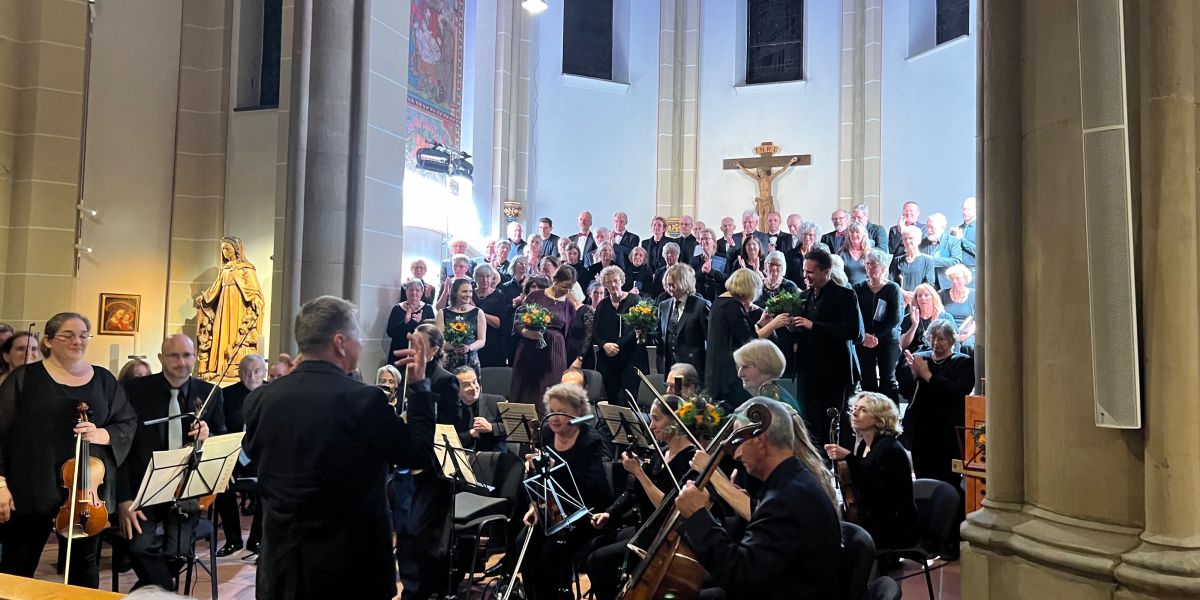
x=883, y=484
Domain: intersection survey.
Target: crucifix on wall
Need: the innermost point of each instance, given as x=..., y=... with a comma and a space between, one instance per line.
x=760, y=168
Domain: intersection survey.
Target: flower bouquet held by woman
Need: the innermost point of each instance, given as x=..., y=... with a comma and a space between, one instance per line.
x=459, y=333
x=642, y=317
x=535, y=317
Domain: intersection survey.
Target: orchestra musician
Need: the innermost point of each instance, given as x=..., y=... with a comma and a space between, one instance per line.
x=547, y=567
x=789, y=549
x=644, y=491
x=36, y=440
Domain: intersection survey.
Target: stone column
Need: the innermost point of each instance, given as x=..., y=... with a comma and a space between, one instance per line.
x=1168, y=559
x=678, y=94
x=861, y=100
x=511, y=120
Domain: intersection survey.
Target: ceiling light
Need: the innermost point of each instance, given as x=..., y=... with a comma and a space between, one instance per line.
x=534, y=6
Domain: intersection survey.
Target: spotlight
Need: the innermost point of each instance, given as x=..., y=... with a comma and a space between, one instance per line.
x=440, y=159
x=81, y=249
x=534, y=6
x=91, y=212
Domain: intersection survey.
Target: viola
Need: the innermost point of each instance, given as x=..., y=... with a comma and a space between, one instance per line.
x=84, y=513
x=841, y=472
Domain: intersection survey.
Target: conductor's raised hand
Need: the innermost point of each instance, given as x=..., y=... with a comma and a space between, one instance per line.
x=414, y=358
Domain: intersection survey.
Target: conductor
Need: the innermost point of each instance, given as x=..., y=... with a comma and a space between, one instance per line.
x=323, y=443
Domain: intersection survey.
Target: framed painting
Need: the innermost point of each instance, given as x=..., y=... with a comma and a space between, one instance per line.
x=120, y=314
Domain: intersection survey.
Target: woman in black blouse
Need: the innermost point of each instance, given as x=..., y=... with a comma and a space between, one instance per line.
x=880, y=471
x=938, y=381
x=774, y=284
x=731, y=327
x=38, y=427
x=619, y=351
x=547, y=566
x=880, y=302
x=638, y=271
x=497, y=313
x=407, y=315
x=643, y=493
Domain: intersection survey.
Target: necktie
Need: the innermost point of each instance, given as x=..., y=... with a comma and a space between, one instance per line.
x=174, y=426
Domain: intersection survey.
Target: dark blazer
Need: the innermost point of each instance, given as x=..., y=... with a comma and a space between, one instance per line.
x=834, y=240
x=324, y=444
x=654, y=251
x=793, y=260
x=884, y=490
x=233, y=400
x=827, y=350
x=789, y=550
x=486, y=407
x=739, y=241
x=725, y=248
x=783, y=242
x=968, y=243
x=687, y=247
x=711, y=284
x=946, y=253
x=148, y=396
x=445, y=385
x=550, y=245
x=691, y=333
x=878, y=235
x=588, y=247
x=895, y=240
x=628, y=239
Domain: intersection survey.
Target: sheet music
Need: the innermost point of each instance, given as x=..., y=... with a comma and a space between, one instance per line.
x=162, y=477
x=216, y=465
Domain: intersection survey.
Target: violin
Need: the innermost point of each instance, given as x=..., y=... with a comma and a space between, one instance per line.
x=84, y=513
x=841, y=472
x=671, y=568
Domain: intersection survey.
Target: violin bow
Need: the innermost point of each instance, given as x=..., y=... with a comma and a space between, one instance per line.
x=659, y=397
x=650, y=434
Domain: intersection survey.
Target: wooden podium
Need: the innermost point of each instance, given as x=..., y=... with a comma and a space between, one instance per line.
x=973, y=467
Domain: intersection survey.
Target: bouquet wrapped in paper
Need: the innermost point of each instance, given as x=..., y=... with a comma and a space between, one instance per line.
x=642, y=317
x=535, y=317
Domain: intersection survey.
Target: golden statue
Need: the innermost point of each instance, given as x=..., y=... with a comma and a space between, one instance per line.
x=230, y=308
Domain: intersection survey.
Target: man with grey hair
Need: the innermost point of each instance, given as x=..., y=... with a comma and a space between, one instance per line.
x=252, y=369
x=862, y=215
x=789, y=548
x=945, y=249
x=835, y=238
x=620, y=237
x=584, y=240
x=323, y=444
x=749, y=228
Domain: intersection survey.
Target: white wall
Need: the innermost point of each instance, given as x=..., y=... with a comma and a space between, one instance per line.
x=130, y=167
x=929, y=112
x=593, y=148
x=800, y=117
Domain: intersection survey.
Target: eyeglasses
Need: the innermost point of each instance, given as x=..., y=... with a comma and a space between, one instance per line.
x=71, y=337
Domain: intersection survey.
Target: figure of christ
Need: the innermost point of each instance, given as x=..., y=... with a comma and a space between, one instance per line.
x=764, y=203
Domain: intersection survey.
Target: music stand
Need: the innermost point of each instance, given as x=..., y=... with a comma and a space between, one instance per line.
x=625, y=426
x=209, y=474
x=454, y=461
x=520, y=421
x=548, y=493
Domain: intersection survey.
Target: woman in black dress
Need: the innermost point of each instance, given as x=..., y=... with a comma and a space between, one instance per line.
x=880, y=302
x=418, y=268
x=730, y=328
x=637, y=271
x=750, y=256
x=38, y=428
x=547, y=566
x=497, y=313
x=880, y=471
x=619, y=351
x=773, y=285
x=938, y=381
x=406, y=315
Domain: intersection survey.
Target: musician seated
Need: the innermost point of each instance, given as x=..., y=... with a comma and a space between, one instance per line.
x=880, y=472
x=644, y=492
x=547, y=566
x=789, y=550
x=479, y=425
x=689, y=378
x=759, y=364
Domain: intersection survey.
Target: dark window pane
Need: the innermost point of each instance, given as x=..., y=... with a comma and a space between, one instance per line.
x=588, y=38
x=272, y=24
x=953, y=19
x=774, y=40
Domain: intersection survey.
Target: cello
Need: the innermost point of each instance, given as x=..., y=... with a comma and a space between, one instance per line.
x=671, y=568
x=84, y=513
x=841, y=472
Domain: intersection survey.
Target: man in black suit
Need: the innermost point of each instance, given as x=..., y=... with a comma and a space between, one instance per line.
x=909, y=213
x=478, y=423
x=584, y=239
x=620, y=237
x=862, y=215
x=620, y=253
x=726, y=246
x=324, y=443
x=789, y=549
x=549, y=240
x=749, y=228
x=252, y=369
x=945, y=249
x=172, y=392
x=835, y=238
x=688, y=243
x=826, y=331
x=682, y=320
x=654, y=244
x=777, y=239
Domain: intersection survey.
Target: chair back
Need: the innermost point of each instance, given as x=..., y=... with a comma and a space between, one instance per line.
x=595, y=386
x=496, y=380
x=884, y=588
x=646, y=397
x=856, y=561
x=937, y=506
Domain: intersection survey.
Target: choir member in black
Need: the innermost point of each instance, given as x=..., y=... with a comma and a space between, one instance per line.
x=777, y=239
x=880, y=472
x=654, y=244
x=38, y=429
x=637, y=271
x=581, y=349
x=927, y=308
x=910, y=268
x=959, y=301
x=709, y=267
x=938, y=381
x=323, y=444
x=621, y=237
x=806, y=240
x=619, y=351
x=407, y=314
x=854, y=251
x=683, y=320
x=826, y=364
x=880, y=304
x=836, y=238
x=500, y=261
x=252, y=370
x=726, y=245
x=19, y=349
x=775, y=283
x=478, y=422
x=173, y=391
x=422, y=555
x=876, y=233
x=731, y=327
x=595, y=293
x=547, y=567
x=749, y=231
x=418, y=269
x=644, y=491
x=750, y=256
x=605, y=257
x=687, y=239
x=909, y=213
x=670, y=255
x=460, y=268
x=497, y=313
x=789, y=550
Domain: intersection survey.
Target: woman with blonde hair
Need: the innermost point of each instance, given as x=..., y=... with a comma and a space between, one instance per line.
x=926, y=308
x=735, y=321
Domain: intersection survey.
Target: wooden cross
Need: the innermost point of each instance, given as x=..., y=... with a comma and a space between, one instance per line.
x=766, y=159
x=759, y=168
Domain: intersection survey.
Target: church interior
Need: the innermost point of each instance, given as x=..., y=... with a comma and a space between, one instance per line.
x=209, y=167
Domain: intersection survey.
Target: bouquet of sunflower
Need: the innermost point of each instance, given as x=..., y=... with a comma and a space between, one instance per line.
x=459, y=332
x=535, y=317
x=786, y=302
x=702, y=417
x=642, y=317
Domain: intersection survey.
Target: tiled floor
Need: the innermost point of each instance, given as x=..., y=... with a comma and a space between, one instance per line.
x=235, y=575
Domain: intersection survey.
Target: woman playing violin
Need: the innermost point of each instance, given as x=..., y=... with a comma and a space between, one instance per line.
x=39, y=421
x=547, y=568
x=643, y=493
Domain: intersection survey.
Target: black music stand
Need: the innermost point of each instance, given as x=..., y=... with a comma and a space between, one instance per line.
x=627, y=429
x=520, y=421
x=547, y=492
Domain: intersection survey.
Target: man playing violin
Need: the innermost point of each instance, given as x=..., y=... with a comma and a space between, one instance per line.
x=790, y=547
